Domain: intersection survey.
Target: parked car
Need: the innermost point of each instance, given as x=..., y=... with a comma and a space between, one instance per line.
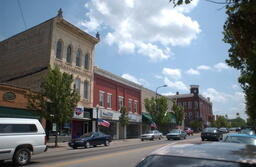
x=90, y=139
x=189, y=131
x=151, y=135
x=223, y=130
x=214, y=154
x=211, y=134
x=232, y=129
x=176, y=134
x=248, y=131
x=20, y=138
x=240, y=138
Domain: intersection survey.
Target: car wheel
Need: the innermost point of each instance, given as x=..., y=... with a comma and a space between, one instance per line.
x=159, y=138
x=142, y=139
x=202, y=139
x=185, y=137
x=74, y=147
x=153, y=138
x=87, y=145
x=1, y=161
x=168, y=139
x=22, y=156
x=106, y=143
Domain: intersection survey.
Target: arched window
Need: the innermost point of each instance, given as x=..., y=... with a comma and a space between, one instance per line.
x=86, y=90
x=86, y=61
x=69, y=51
x=77, y=85
x=78, y=58
x=59, y=49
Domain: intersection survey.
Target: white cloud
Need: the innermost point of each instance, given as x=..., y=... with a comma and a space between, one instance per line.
x=132, y=78
x=158, y=77
x=235, y=86
x=221, y=66
x=177, y=85
x=168, y=94
x=203, y=67
x=148, y=33
x=192, y=71
x=172, y=73
x=215, y=95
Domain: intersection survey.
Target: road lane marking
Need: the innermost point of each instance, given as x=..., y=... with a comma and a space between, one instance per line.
x=73, y=162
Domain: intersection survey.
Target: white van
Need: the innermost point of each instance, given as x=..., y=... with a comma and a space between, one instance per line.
x=20, y=138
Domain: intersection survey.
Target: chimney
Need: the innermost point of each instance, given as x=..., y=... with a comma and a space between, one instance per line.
x=177, y=93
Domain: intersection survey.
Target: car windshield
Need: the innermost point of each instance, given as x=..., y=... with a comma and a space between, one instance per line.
x=86, y=135
x=210, y=130
x=175, y=131
x=150, y=131
x=165, y=160
x=241, y=139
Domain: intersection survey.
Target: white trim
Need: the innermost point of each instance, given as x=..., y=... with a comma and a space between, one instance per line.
x=101, y=91
x=109, y=93
x=122, y=97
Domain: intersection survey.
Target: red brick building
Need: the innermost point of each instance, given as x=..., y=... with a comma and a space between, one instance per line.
x=195, y=105
x=110, y=94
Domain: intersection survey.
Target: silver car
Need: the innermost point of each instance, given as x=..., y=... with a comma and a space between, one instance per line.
x=176, y=134
x=151, y=135
x=20, y=138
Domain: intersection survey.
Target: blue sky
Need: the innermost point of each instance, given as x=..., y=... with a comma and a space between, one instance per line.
x=148, y=42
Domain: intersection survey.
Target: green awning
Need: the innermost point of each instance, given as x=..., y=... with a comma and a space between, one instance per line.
x=146, y=118
x=17, y=113
x=172, y=118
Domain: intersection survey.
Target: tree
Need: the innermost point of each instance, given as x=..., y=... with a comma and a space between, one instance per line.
x=238, y=122
x=56, y=100
x=158, y=111
x=221, y=121
x=195, y=124
x=179, y=113
x=123, y=118
x=239, y=32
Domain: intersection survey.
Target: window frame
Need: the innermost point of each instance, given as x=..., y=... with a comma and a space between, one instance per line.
x=59, y=47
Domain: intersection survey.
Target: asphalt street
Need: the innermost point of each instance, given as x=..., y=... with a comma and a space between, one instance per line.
x=118, y=154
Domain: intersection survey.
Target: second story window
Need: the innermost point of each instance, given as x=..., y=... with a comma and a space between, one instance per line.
x=120, y=102
x=69, y=52
x=196, y=105
x=77, y=85
x=86, y=89
x=59, y=49
x=135, y=106
x=189, y=105
x=130, y=105
x=101, y=99
x=86, y=61
x=78, y=58
x=109, y=100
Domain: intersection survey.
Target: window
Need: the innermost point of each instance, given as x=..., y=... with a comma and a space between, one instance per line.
x=130, y=105
x=17, y=128
x=77, y=85
x=101, y=98
x=120, y=102
x=78, y=58
x=86, y=89
x=109, y=100
x=189, y=105
x=185, y=105
x=59, y=49
x=69, y=51
x=86, y=61
x=196, y=105
x=135, y=107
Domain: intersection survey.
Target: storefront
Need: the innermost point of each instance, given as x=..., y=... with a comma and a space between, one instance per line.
x=134, y=126
x=81, y=121
x=146, y=122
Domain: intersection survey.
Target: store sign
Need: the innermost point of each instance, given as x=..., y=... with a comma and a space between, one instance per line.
x=79, y=112
x=106, y=114
x=9, y=96
x=134, y=117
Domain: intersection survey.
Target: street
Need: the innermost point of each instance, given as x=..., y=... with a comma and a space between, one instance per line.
x=119, y=153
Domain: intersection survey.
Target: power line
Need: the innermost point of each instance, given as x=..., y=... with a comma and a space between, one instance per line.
x=22, y=14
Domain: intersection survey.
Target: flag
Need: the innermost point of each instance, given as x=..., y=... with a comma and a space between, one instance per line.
x=153, y=125
x=102, y=122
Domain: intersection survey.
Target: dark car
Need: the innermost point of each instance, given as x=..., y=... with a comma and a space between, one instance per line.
x=214, y=154
x=211, y=134
x=241, y=138
x=176, y=134
x=91, y=139
x=224, y=130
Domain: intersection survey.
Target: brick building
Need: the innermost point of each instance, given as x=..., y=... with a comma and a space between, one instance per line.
x=25, y=58
x=195, y=105
x=111, y=92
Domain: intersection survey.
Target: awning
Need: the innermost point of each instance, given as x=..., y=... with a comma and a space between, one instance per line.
x=146, y=118
x=17, y=113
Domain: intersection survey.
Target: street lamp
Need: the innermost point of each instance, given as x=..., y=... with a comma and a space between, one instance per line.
x=97, y=109
x=156, y=95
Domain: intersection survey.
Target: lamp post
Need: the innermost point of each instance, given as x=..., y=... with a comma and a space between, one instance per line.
x=97, y=109
x=156, y=95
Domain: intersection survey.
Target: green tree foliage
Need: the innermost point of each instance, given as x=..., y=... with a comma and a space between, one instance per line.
x=195, y=125
x=221, y=121
x=179, y=113
x=57, y=100
x=124, y=119
x=239, y=32
x=238, y=122
x=158, y=111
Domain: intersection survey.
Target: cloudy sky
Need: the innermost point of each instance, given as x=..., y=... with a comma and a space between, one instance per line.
x=148, y=42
